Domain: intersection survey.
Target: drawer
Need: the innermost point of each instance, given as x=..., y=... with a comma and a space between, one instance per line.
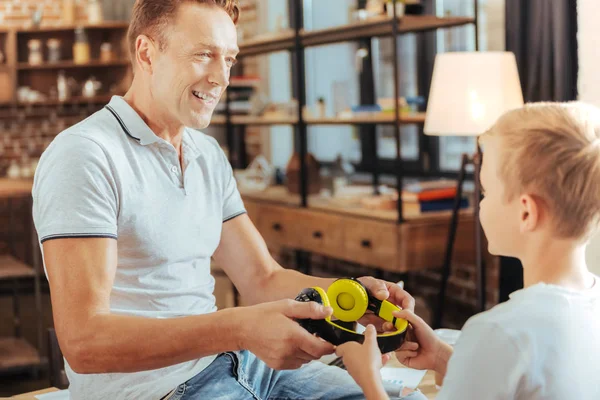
x=371, y=243
x=319, y=233
x=276, y=226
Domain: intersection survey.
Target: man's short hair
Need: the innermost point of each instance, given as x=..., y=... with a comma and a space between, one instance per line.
x=552, y=151
x=152, y=18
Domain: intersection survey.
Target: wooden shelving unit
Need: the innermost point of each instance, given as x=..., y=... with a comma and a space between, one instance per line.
x=77, y=100
x=297, y=40
x=17, y=72
x=72, y=65
x=395, y=240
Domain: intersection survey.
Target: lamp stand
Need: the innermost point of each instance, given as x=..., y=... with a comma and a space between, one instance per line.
x=481, y=279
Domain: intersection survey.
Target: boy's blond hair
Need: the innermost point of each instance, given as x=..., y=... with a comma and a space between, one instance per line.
x=552, y=151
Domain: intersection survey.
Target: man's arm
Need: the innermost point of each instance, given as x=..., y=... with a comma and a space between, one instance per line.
x=81, y=274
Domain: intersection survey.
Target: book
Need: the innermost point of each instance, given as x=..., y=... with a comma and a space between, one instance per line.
x=441, y=205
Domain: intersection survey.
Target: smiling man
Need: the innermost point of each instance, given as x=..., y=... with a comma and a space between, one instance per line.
x=131, y=204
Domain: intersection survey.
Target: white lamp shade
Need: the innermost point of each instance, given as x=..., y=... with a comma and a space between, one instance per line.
x=470, y=91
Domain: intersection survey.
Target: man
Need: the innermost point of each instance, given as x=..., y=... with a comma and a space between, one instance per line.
x=130, y=206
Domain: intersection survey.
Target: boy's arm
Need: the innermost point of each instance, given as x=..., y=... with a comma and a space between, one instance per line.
x=486, y=364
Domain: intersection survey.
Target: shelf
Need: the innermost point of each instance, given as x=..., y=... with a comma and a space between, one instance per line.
x=373, y=27
x=11, y=268
x=379, y=26
x=252, y=120
x=417, y=118
x=218, y=120
x=72, y=65
x=15, y=188
x=67, y=28
x=17, y=353
x=268, y=43
x=103, y=99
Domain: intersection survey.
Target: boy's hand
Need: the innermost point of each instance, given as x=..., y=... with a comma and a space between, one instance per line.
x=363, y=361
x=422, y=348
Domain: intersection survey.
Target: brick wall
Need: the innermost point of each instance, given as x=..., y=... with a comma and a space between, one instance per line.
x=25, y=133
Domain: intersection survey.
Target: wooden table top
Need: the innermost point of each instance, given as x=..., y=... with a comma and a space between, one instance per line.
x=15, y=187
x=31, y=395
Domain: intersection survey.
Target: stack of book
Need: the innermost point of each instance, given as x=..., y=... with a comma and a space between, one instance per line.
x=431, y=196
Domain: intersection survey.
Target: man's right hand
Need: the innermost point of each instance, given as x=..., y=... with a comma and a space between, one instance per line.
x=269, y=330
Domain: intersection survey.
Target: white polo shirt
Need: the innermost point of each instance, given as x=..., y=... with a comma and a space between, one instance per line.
x=111, y=176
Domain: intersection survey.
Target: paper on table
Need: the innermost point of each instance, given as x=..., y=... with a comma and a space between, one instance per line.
x=60, y=395
x=410, y=378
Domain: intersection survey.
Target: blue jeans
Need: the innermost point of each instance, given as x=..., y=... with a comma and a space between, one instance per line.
x=242, y=376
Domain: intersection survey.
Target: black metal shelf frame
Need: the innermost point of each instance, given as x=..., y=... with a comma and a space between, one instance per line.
x=296, y=45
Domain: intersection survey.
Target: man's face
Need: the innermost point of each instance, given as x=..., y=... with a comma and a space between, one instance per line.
x=499, y=217
x=192, y=72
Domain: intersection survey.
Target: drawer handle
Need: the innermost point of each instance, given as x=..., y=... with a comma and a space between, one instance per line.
x=366, y=244
x=277, y=227
x=317, y=235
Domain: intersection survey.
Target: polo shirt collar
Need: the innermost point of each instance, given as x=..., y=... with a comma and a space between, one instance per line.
x=132, y=124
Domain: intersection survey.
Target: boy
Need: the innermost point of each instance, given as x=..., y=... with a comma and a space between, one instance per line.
x=541, y=181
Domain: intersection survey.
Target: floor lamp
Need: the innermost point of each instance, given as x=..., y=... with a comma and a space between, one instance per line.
x=469, y=91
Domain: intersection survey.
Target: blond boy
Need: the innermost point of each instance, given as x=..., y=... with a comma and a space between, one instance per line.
x=541, y=178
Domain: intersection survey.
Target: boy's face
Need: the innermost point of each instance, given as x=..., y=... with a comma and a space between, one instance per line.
x=499, y=217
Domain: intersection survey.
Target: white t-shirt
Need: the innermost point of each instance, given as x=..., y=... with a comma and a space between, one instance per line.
x=544, y=343
x=111, y=176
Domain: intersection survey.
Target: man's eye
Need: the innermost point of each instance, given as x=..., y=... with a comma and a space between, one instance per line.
x=231, y=62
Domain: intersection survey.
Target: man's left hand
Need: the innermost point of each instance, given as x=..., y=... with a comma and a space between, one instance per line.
x=389, y=291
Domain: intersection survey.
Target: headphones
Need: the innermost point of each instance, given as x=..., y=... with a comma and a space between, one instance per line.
x=350, y=300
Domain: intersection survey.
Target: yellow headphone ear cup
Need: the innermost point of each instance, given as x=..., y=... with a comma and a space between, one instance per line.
x=348, y=299
x=324, y=299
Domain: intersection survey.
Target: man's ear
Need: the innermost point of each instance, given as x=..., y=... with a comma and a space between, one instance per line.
x=530, y=213
x=145, y=53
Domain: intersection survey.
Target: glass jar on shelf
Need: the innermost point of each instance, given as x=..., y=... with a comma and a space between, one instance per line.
x=81, y=47
x=36, y=56
x=94, y=11
x=54, y=50
x=106, y=52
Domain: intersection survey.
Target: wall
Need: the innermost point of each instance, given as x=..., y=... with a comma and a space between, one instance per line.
x=589, y=82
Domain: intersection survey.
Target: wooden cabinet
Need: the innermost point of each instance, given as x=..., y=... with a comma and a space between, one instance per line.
x=415, y=244
x=371, y=243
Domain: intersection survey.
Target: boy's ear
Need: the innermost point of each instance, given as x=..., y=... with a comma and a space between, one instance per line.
x=530, y=210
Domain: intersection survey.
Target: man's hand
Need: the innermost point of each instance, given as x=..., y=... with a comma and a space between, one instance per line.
x=422, y=349
x=269, y=331
x=389, y=291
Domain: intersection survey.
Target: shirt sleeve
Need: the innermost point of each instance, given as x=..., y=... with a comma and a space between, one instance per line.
x=486, y=364
x=74, y=193
x=233, y=206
